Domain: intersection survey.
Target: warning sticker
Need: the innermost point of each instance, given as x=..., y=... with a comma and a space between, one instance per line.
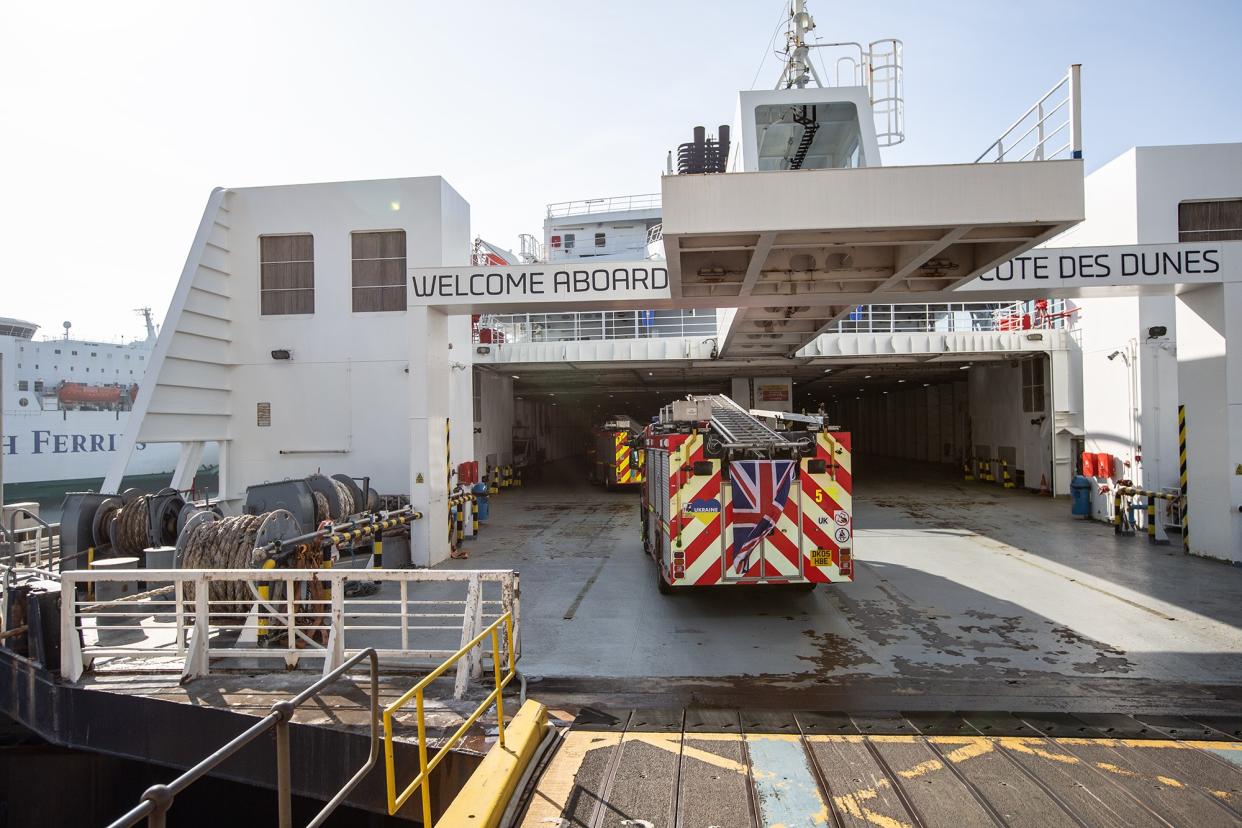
x=842, y=517
x=842, y=534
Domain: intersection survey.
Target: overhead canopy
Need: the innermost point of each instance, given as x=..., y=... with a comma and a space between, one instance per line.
x=783, y=246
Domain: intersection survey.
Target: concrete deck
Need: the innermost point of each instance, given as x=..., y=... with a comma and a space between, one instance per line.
x=967, y=597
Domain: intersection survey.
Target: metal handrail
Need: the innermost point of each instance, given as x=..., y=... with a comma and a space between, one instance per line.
x=13, y=530
x=158, y=799
x=1073, y=99
x=395, y=800
x=642, y=201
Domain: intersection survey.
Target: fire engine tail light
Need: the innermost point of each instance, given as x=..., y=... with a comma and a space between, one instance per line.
x=847, y=562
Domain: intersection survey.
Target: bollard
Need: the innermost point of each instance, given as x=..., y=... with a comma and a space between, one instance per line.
x=966, y=472
x=474, y=515
x=1151, y=518
x=1007, y=482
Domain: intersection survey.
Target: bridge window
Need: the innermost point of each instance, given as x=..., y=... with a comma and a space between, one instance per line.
x=569, y=241
x=599, y=239
x=1199, y=221
x=379, y=270
x=22, y=385
x=287, y=275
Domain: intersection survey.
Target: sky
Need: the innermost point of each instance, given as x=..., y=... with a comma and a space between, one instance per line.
x=118, y=118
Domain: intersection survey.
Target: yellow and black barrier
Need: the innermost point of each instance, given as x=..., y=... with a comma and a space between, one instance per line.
x=967, y=473
x=1150, y=498
x=985, y=472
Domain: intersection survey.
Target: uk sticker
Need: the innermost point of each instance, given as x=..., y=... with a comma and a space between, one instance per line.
x=842, y=535
x=842, y=517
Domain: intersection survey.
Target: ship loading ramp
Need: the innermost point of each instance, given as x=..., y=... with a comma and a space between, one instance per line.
x=725, y=768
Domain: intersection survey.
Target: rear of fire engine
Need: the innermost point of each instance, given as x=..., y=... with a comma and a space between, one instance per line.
x=615, y=462
x=730, y=500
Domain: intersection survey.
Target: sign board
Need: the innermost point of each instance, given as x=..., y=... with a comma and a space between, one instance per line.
x=1113, y=266
x=773, y=393
x=542, y=283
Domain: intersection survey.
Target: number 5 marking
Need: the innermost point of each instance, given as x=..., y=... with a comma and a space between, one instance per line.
x=819, y=495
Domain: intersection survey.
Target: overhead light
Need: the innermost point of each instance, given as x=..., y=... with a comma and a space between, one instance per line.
x=394, y=206
x=897, y=380
x=964, y=368
x=827, y=370
x=515, y=376
x=867, y=377
x=926, y=384
x=650, y=373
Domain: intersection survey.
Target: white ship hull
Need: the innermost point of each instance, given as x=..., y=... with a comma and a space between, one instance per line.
x=50, y=446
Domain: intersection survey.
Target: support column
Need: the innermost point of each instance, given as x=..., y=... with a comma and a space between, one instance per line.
x=187, y=465
x=1158, y=392
x=1210, y=390
x=429, y=408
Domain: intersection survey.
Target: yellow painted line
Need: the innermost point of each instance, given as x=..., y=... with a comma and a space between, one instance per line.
x=672, y=742
x=899, y=739
x=1111, y=768
x=1215, y=745
x=842, y=737
x=1170, y=781
x=559, y=781
x=1029, y=746
x=921, y=769
x=486, y=794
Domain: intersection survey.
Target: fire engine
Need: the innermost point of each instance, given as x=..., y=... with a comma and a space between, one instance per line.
x=615, y=462
x=730, y=500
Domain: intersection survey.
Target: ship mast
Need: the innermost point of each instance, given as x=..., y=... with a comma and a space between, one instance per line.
x=799, y=71
x=146, y=316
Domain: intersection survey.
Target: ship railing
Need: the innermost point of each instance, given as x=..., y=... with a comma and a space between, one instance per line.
x=642, y=201
x=31, y=546
x=1051, y=128
x=174, y=620
x=958, y=317
x=158, y=799
x=599, y=325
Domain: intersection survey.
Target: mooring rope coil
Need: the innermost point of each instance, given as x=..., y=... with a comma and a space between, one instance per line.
x=129, y=538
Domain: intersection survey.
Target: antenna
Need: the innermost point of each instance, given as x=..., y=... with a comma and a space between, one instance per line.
x=797, y=66
x=67, y=325
x=145, y=312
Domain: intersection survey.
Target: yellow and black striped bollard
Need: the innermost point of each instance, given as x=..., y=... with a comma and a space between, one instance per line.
x=1006, y=480
x=1181, y=454
x=967, y=474
x=474, y=515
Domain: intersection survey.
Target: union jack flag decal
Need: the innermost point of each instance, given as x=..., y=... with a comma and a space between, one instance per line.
x=760, y=492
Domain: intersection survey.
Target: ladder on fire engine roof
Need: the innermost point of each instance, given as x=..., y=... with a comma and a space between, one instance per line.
x=738, y=427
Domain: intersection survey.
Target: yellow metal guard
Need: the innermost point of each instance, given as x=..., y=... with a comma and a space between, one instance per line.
x=425, y=767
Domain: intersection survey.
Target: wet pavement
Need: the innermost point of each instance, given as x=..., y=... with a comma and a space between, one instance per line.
x=966, y=597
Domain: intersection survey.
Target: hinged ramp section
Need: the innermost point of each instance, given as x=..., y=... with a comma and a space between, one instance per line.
x=720, y=768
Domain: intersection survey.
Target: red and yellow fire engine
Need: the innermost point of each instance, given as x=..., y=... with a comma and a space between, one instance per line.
x=615, y=463
x=730, y=500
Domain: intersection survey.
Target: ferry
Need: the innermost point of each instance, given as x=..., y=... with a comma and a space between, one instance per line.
x=66, y=402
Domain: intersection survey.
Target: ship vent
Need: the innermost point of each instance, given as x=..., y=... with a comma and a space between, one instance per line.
x=703, y=155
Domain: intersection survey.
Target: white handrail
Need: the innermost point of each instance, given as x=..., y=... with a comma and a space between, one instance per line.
x=176, y=624
x=642, y=201
x=1071, y=83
